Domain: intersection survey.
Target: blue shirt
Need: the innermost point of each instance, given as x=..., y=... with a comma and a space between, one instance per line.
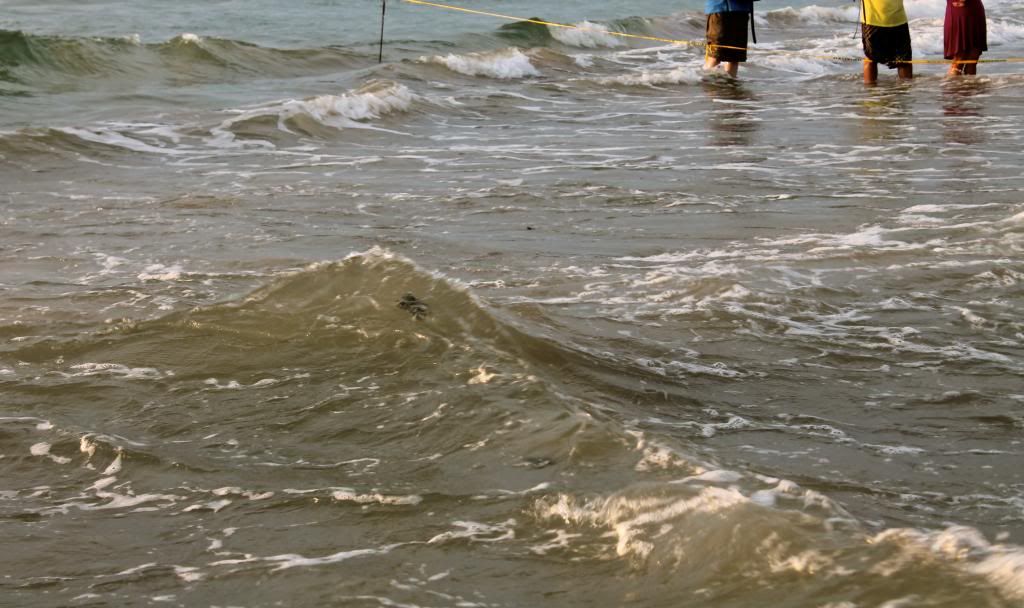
x=728, y=6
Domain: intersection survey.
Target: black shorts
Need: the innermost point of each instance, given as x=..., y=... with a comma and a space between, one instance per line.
x=888, y=45
x=727, y=36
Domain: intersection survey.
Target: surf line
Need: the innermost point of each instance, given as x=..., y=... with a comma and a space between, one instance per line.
x=688, y=43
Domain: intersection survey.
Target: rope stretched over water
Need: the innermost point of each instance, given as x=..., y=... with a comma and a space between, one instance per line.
x=696, y=43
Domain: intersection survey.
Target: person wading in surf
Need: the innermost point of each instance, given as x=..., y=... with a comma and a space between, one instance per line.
x=886, y=37
x=727, y=33
x=965, y=35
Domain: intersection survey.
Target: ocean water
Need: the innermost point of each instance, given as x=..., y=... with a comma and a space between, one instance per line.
x=674, y=339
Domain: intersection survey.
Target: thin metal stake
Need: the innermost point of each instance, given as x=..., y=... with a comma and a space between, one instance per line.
x=383, y=11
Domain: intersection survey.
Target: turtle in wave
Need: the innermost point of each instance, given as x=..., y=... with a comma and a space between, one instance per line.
x=415, y=306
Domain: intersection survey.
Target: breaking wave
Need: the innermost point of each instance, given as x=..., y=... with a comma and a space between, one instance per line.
x=402, y=383
x=505, y=64
x=355, y=109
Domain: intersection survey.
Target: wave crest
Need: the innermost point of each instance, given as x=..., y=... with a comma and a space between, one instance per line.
x=587, y=35
x=350, y=110
x=43, y=60
x=505, y=64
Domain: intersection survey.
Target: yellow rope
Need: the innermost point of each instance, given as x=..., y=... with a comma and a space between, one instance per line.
x=550, y=23
x=692, y=43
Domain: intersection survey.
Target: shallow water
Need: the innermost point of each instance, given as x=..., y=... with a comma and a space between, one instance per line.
x=686, y=340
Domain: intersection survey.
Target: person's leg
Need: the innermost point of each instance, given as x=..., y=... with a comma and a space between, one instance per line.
x=955, y=68
x=901, y=46
x=870, y=72
x=712, y=34
x=972, y=67
x=732, y=67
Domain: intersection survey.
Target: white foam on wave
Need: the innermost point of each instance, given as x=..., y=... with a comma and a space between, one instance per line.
x=350, y=110
x=187, y=38
x=115, y=369
x=1001, y=565
x=656, y=456
x=262, y=383
x=109, y=262
x=811, y=63
x=586, y=35
x=237, y=491
x=483, y=376
x=109, y=137
x=117, y=500
x=639, y=517
x=867, y=237
x=1001, y=31
x=631, y=519
x=160, y=272
x=115, y=467
x=188, y=574
x=1016, y=220
x=924, y=9
x=213, y=505
x=583, y=60
x=367, y=103
x=477, y=532
x=346, y=495
x=505, y=64
x=651, y=78
x=926, y=37
x=562, y=540
x=933, y=208
x=810, y=15
x=39, y=449
x=293, y=560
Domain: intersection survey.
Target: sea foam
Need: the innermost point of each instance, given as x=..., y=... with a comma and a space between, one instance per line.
x=586, y=35
x=350, y=110
x=506, y=64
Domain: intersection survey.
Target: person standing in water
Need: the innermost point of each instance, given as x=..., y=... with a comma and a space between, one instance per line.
x=886, y=37
x=965, y=35
x=727, y=33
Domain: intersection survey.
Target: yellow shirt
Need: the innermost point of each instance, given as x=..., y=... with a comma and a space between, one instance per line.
x=884, y=13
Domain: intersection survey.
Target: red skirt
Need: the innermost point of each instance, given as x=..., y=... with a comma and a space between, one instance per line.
x=964, y=33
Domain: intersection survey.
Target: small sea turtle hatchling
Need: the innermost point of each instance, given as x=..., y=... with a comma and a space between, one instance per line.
x=415, y=306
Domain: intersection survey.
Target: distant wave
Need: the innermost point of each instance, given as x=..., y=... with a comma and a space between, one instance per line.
x=72, y=141
x=583, y=34
x=31, y=59
x=809, y=15
x=322, y=115
x=588, y=35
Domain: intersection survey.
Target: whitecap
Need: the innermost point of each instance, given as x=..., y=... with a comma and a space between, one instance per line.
x=382, y=499
x=650, y=78
x=586, y=35
x=505, y=64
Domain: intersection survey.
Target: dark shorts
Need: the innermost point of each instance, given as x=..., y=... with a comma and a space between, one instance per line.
x=888, y=45
x=727, y=30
